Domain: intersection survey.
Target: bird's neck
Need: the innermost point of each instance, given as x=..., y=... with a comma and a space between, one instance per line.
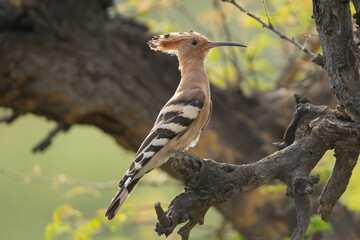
x=193, y=75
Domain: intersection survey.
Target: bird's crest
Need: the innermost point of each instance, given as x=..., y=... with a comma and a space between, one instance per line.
x=168, y=42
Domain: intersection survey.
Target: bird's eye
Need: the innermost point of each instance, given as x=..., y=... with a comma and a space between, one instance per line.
x=194, y=42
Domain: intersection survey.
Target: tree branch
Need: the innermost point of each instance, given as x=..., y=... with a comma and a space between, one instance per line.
x=334, y=25
x=46, y=142
x=208, y=183
x=347, y=154
x=271, y=27
x=341, y=62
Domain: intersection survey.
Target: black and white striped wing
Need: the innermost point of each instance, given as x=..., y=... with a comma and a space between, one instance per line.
x=174, y=118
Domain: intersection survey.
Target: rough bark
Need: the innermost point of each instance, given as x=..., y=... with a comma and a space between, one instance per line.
x=341, y=62
x=334, y=25
x=65, y=60
x=312, y=132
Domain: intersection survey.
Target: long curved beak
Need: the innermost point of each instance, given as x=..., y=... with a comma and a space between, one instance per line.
x=219, y=44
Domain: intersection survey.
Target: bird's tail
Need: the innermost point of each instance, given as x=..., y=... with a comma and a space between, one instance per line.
x=126, y=186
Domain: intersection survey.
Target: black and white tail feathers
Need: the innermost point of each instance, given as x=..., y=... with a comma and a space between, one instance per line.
x=128, y=184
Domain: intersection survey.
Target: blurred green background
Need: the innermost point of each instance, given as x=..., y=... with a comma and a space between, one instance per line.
x=35, y=204
x=83, y=153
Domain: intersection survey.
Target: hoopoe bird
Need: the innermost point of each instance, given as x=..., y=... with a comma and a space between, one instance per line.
x=182, y=119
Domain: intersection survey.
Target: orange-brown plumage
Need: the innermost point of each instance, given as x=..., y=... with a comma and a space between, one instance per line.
x=181, y=45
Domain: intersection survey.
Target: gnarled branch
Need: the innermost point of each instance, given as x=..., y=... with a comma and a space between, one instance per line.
x=46, y=142
x=208, y=183
x=333, y=23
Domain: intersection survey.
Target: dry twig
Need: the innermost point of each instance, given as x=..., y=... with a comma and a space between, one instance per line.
x=46, y=142
x=62, y=180
x=272, y=28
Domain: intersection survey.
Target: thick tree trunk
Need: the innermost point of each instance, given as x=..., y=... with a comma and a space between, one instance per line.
x=65, y=60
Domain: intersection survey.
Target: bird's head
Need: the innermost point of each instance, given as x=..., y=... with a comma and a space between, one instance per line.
x=188, y=46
